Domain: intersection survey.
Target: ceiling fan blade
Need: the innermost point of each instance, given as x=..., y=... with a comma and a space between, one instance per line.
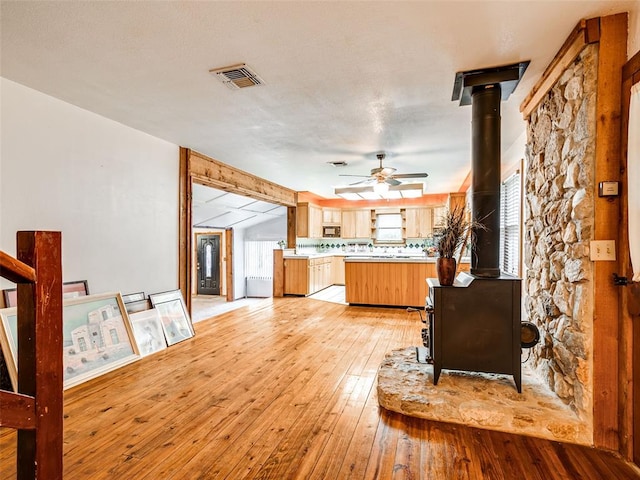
x=392, y=181
x=411, y=175
x=368, y=181
x=347, y=175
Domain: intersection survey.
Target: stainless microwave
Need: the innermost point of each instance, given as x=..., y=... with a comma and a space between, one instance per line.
x=330, y=232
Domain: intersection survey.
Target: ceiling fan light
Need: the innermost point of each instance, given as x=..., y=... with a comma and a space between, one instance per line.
x=381, y=188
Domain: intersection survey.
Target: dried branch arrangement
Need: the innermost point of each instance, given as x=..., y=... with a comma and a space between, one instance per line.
x=456, y=229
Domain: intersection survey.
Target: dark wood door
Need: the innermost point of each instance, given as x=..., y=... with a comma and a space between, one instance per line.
x=208, y=264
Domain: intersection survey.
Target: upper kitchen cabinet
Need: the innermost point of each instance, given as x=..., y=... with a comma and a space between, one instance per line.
x=457, y=200
x=419, y=222
x=308, y=221
x=356, y=223
x=439, y=214
x=331, y=216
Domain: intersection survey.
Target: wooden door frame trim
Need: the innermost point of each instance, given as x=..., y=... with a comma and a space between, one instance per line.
x=198, y=168
x=606, y=332
x=584, y=33
x=629, y=329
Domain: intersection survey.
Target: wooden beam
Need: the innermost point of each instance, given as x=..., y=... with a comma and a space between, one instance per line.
x=18, y=411
x=278, y=273
x=571, y=48
x=40, y=364
x=185, y=229
x=629, y=404
x=228, y=243
x=14, y=270
x=292, y=225
x=611, y=58
x=213, y=173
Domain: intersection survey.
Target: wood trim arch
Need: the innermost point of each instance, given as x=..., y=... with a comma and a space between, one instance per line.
x=196, y=167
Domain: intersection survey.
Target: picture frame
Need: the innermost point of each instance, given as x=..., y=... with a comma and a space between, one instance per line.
x=97, y=337
x=8, y=316
x=175, y=321
x=170, y=295
x=76, y=288
x=137, y=306
x=133, y=297
x=148, y=331
x=162, y=297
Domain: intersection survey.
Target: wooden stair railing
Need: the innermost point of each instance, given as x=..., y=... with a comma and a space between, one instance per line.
x=36, y=410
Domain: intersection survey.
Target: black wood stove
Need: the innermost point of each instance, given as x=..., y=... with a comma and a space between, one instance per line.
x=474, y=325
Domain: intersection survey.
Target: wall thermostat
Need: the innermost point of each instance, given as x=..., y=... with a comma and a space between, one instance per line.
x=608, y=189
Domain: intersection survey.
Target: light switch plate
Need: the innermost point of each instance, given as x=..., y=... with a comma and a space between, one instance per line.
x=602, y=250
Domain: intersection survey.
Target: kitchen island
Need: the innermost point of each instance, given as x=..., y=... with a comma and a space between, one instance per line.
x=392, y=281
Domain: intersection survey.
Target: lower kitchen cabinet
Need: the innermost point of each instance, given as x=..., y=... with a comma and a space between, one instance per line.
x=296, y=276
x=388, y=283
x=306, y=276
x=337, y=270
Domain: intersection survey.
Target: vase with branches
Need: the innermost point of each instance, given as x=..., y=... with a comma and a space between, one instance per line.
x=452, y=239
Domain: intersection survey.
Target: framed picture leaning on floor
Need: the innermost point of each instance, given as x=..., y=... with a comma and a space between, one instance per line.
x=97, y=337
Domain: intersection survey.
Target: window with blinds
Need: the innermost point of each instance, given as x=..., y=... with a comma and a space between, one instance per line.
x=389, y=228
x=510, y=225
x=258, y=258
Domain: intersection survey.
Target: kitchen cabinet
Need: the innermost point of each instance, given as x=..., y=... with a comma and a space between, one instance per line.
x=305, y=276
x=331, y=216
x=418, y=222
x=457, y=200
x=296, y=276
x=308, y=221
x=337, y=270
x=319, y=274
x=439, y=214
x=356, y=223
x=388, y=282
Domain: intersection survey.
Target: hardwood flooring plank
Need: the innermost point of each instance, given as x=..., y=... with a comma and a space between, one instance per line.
x=286, y=389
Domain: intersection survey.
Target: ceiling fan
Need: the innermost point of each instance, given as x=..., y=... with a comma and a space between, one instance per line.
x=383, y=174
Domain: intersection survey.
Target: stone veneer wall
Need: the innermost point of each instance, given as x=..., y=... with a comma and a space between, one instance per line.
x=559, y=216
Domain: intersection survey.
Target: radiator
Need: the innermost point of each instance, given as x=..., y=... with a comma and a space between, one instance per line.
x=261, y=287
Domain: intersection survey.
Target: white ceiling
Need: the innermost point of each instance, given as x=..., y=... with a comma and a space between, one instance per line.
x=344, y=80
x=214, y=208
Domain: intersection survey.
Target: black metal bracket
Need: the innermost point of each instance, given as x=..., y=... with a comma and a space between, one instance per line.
x=620, y=281
x=412, y=309
x=507, y=76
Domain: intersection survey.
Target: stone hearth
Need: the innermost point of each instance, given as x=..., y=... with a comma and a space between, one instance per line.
x=480, y=400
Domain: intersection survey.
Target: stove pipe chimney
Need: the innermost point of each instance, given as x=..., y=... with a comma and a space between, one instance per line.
x=484, y=89
x=485, y=179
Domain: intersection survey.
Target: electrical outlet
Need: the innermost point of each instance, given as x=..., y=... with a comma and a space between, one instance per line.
x=602, y=250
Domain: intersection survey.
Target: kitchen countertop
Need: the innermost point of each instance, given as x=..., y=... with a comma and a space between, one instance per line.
x=391, y=258
x=368, y=257
x=353, y=255
x=303, y=256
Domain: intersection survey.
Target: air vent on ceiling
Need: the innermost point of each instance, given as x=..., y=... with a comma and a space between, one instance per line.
x=237, y=76
x=338, y=163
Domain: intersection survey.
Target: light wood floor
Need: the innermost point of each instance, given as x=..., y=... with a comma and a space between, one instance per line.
x=285, y=389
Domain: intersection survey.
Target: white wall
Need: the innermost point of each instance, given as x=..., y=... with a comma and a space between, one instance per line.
x=110, y=189
x=275, y=229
